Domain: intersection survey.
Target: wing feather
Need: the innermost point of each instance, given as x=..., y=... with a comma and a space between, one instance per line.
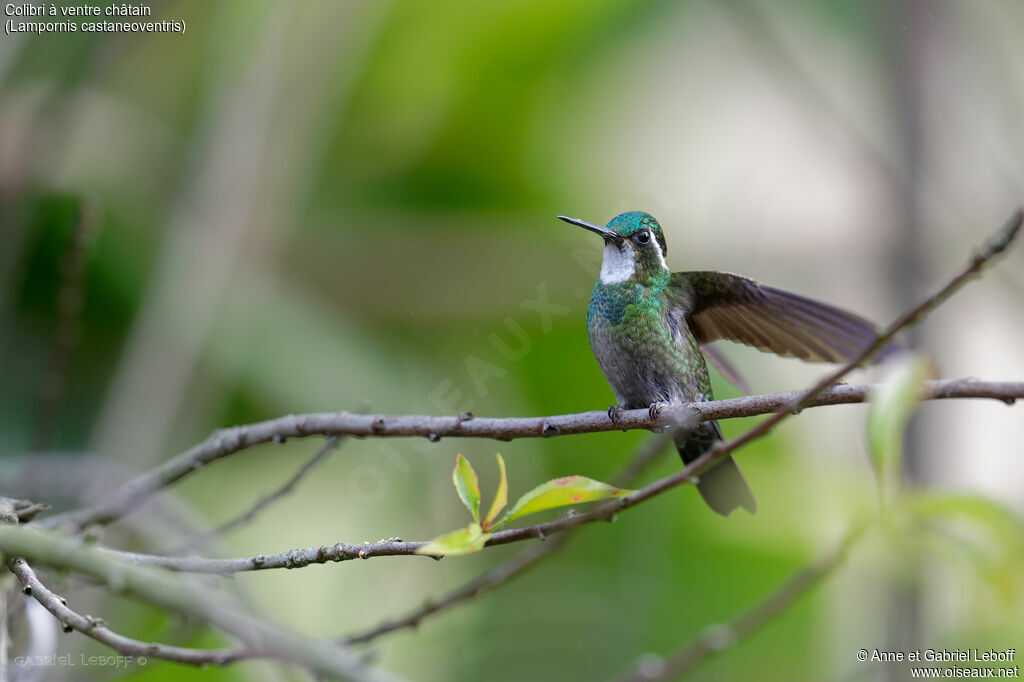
x=719, y=305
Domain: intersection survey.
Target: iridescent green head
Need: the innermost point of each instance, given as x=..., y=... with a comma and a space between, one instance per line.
x=634, y=246
x=632, y=223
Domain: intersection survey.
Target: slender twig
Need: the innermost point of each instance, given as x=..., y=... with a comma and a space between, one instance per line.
x=230, y=441
x=162, y=589
x=98, y=630
x=200, y=540
x=507, y=570
x=294, y=558
x=717, y=638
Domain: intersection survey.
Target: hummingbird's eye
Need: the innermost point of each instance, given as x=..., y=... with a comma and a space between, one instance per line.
x=643, y=237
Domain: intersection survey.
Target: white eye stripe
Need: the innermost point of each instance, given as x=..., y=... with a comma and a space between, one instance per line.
x=661, y=256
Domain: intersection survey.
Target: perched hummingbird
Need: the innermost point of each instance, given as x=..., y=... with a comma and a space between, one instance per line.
x=646, y=326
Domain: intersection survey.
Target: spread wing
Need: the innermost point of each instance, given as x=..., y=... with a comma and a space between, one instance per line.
x=718, y=305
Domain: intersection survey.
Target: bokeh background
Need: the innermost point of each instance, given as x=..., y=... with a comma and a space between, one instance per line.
x=325, y=205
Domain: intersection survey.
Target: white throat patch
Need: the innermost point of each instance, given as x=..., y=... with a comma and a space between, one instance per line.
x=618, y=264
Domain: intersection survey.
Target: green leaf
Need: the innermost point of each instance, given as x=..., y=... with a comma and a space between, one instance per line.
x=987, y=533
x=500, y=497
x=995, y=518
x=561, y=492
x=464, y=541
x=468, y=486
x=891, y=407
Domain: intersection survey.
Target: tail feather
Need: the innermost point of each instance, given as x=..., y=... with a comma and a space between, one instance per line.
x=723, y=487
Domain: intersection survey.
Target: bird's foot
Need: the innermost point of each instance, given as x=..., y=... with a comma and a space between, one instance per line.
x=615, y=413
x=655, y=409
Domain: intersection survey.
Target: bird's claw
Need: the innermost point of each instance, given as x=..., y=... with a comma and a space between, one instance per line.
x=614, y=413
x=655, y=409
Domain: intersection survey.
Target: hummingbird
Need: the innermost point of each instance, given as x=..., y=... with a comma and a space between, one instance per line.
x=647, y=327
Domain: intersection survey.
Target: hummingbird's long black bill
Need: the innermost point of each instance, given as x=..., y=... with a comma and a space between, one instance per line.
x=609, y=235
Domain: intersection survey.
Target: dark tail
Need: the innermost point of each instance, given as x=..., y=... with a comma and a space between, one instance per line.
x=723, y=486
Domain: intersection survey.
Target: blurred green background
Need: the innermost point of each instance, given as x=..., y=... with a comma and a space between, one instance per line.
x=322, y=205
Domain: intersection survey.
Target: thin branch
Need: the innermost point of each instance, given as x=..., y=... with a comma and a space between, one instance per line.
x=717, y=638
x=294, y=558
x=507, y=570
x=200, y=540
x=98, y=630
x=230, y=441
x=161, y=589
